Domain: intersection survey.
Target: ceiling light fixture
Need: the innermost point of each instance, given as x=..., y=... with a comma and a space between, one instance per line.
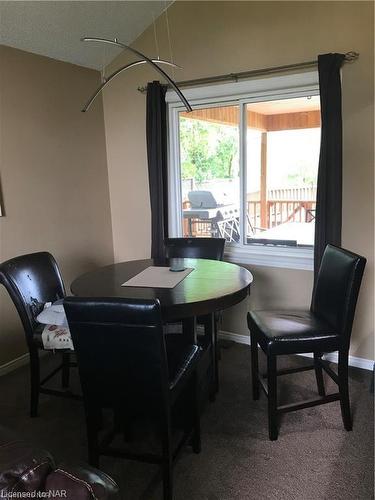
x=144, y=60
x=107, y=80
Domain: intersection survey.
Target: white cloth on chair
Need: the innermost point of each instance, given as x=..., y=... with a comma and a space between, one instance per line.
x=53, y=314
x=56, y=333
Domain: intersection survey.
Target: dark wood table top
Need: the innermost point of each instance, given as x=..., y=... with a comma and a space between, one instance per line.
x=212, y=286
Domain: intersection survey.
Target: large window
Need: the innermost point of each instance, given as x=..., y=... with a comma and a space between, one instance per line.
x=246, y=170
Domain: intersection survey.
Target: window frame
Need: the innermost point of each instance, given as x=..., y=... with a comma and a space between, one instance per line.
x=230, y=94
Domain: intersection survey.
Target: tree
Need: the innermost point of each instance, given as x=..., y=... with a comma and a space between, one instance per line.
x=207, y=149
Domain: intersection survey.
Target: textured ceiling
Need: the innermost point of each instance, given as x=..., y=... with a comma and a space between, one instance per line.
x=54, y=28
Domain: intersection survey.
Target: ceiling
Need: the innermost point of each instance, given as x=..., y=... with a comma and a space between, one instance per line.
x=296, y=105
x=54, y=28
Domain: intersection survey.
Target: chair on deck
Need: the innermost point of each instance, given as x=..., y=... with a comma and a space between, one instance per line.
x=228, y=224
x=202, y=248
x=326, y=327
x=127, y=364
x=32, y=280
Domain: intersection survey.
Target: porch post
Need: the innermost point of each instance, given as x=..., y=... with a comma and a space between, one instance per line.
x=263, y=182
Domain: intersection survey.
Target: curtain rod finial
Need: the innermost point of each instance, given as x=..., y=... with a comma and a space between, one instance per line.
x=351, y=56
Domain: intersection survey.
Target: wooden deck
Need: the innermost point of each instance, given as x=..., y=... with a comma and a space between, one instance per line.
x=262, y=215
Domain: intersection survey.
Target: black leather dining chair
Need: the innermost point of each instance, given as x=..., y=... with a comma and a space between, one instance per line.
x=126, y=364
x=202, y=248
x=195, y=248
x=32, y=280
x=325, y=328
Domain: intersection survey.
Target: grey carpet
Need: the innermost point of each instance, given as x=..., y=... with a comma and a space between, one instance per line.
x=313, y=459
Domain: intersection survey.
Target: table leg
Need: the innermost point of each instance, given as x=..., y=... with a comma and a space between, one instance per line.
x=189, y=329
x=210, y=330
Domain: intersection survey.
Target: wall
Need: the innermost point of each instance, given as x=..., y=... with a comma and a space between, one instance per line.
x=53, y=173
x=211, y=38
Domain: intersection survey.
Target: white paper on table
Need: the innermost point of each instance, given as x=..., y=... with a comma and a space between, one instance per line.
x=158, y=277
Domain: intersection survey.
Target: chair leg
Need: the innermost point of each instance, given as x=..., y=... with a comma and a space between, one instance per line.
x=122, y=424
x=196, y=441
x=65, y=374
x=93, y=424
x=127, y=433
x=344, y=391
x=218, y=326
x=216, y=353
x=272, y=397
x=167, y=464
x=34, y=382
x=254, y=367
x=319, y=374
x=218, y=321
x=211, y=334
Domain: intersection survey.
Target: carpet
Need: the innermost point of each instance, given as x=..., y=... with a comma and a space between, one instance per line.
x=313, y=459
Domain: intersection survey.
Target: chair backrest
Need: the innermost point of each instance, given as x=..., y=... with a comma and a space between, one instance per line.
x=32, y=280
x=195, y=248
x=202, y=199
x=120, y=350
x=336, y=289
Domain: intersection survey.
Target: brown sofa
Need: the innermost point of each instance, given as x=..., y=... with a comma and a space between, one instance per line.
x=27, y=470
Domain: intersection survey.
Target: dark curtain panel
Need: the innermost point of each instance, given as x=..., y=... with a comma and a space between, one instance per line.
x=329, y=188
x=156, y=131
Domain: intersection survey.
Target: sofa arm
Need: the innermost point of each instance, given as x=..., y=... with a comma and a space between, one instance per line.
x=22, y=467
x=81, y=483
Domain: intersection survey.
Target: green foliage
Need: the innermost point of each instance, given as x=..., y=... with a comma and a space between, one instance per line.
x=302, y=173
x=207, y=150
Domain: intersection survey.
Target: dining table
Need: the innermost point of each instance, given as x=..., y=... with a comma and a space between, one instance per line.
x=210, y=287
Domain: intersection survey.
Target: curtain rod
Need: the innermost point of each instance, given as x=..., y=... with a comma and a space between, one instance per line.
x=349, y=57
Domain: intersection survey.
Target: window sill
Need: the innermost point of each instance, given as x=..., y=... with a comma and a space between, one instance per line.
x=288, y=258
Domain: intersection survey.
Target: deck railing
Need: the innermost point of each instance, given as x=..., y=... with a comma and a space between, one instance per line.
x=283, y=205
x=280, y=212
x=294, y=193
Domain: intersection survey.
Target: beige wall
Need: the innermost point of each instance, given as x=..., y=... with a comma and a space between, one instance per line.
x=53, y=173
x=211, y=38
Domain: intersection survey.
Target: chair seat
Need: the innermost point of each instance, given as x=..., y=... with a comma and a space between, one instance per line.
x=286, y=332
x=182, y=358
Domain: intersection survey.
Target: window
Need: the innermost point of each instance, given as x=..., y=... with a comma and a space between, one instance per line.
x=283, y=139
x=210, y=176
x=245, y=168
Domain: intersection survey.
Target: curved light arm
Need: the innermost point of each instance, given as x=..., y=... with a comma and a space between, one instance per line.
x=113, y=75
x=147, y=59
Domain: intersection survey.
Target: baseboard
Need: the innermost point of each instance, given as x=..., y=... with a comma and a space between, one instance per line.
x=14, y=364
x=365, y=364
x=235, y=337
